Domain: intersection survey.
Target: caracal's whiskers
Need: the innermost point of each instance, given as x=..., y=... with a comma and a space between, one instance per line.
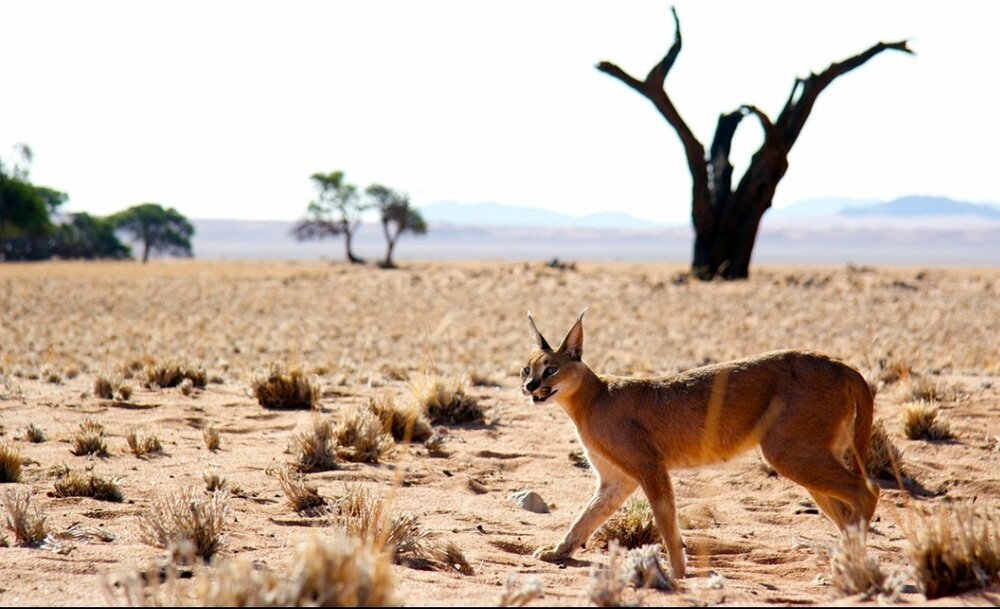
x=804, y=410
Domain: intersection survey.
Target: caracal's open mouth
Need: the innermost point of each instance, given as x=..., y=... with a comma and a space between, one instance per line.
x=538, y=399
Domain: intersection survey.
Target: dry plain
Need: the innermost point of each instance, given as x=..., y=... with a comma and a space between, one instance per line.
x=364, y=333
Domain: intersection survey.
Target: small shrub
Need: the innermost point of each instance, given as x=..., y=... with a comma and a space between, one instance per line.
x=213, y=481
x=632, y=526
x=301, y=495
x=642, y=569
x=445, y=402
x=26, y=522
x=108, y=386
x=606, y=584
x=89, y=440
x=852, y=570
x=172, y=374
x=285, y=390
x=405, y=423
x=75, y=484
x=10, y=463
x=315, y=450
x=954, y=548
x=920, y=422
x=142, y=445
x=34, y=434
x=185, y=522
x=884, y=458
x=919, y=388
x=212, y=437
x=360, y=437
x=518, y=593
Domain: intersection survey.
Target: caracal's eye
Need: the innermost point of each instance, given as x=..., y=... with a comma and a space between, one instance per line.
x=550, y=371
x=525, y=372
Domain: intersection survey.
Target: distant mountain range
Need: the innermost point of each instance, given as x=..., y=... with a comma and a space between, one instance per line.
x=500, y=214
x=910, y=206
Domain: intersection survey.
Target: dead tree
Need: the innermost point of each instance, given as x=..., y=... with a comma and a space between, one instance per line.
x=726, y=219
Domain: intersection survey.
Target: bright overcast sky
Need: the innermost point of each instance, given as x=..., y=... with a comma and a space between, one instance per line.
x=224, y=109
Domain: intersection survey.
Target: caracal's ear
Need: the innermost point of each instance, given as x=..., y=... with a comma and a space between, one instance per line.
x=536, y=336
x=572, y=345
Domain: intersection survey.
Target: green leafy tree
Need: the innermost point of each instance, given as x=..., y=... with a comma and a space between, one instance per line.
x=86, y=236
x=397, y=217
x=336, y=211
x=25, y=209
x=161, y=230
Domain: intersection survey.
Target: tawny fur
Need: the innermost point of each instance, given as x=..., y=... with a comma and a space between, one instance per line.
x=803, y=409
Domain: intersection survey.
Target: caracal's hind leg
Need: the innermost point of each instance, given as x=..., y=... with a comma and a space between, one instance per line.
x=835, y=509
x=660, y=493
x=613, y=488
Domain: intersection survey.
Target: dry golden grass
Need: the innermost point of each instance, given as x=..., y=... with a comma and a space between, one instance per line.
x=186, y=524
x=108, y=387
x=361, y=437
x=75, y=484
x=213, y=481
x=885, y=459
x=89, y=440
x=853, y=570
x=34, y=434
x=301, y=495
x=285, y=390
x=10, y=463
x=919, y=388
x=444, y=401
x=519, y=592
x=954, y=548
x=211, y=436
x=405, y=423
x=606, y=583
x=315, y=450
x=172, y=374
x=142, y=444
x=642, y=568
x=920, y=422
x=631, y=526
x=25, y=522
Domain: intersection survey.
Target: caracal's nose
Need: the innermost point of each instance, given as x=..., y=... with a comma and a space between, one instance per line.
x=532, y=385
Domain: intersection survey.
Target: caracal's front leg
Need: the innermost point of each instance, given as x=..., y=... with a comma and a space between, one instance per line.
x=613, y=489
x=660, y=493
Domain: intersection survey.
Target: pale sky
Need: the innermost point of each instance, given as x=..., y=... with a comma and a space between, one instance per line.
x=224, y=109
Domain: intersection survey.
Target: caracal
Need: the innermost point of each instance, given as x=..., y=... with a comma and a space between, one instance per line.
x=803, y=409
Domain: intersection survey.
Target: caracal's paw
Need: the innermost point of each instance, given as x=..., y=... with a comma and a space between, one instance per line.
x=552, y=554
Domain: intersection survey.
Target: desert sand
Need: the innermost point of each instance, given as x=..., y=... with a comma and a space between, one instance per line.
x=752, y=537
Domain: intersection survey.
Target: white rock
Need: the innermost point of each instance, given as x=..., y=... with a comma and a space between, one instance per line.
x=531, y=501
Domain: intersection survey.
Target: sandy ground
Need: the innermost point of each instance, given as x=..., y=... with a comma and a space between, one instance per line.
x=752, y=538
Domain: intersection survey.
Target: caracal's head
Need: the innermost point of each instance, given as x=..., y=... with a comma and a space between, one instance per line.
x=554, y=371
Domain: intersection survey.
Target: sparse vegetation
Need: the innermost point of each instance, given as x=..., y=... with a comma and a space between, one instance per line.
x=853, y=570
x=89, y=440
x=517, y=592
x=186, y=524
x=10, y=463
x=315, y=450
x=301, y=495
x=919, y=388
x=954, y=548
x=141, y=444
x=360, y=437
x=34, y=434
x=25, y=522
x=606, y=582
x=213, y=481
x=405, y=423
x=642, y=569
x=213, y=439
x=75, y=484
x=108, y=386
x=920, y=422
x=285, y=390
x=885, y=460
x=632, y=526
x=172, y=374
x=445, y=402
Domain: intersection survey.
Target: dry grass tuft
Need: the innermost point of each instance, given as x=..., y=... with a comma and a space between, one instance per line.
x=315, y=450
x=882, y=454
x=34, y=434
x=75, y=484
x=631, y=527
x=920, y=422
x=172, y=374
x=405, y=423
x=285, y=390
x=892, y=370
x=606, y=583
x=518, y=593
x=478, y=379
x=920, y=388
x=853, y=571
x=955, y=548
x=361, y=437
x=10, y=463
x=642, y=569
x=301, y=495
x=26, y=522
x=89, y=440
x=186, y=522
x=213, y=481
x=212, y=437
x=445, y=402
x=108, y=386
x=142, y=445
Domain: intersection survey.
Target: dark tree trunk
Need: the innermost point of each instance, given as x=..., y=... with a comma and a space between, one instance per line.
x=145, y=252
x=726, y=220
x=349, y=230
x=390, y=245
